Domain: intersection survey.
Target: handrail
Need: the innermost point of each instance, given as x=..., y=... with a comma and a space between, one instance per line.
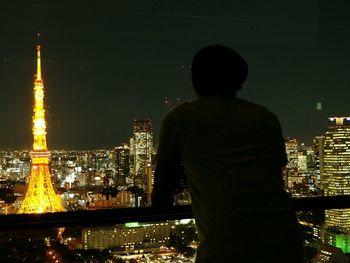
x=102, y=217
x=91, y=218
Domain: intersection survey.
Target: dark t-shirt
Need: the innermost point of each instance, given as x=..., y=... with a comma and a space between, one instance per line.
x=233, y=152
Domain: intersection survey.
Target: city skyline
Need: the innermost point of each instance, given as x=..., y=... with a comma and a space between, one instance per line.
x=107, y=65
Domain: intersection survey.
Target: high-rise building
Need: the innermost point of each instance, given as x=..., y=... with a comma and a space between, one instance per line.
x=312, y=172
x=317, y=146
x=336, y=168
x=291, y=170
x=292, y=155
x=299, y=173
x=141, y=149
x=302, y=161
x=122, y=163
x=40, y=196
x=149, y=183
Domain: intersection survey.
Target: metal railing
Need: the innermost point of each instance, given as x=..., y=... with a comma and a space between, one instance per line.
x=146, y=214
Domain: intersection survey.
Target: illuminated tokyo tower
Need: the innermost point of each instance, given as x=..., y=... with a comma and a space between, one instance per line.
x=40, y=196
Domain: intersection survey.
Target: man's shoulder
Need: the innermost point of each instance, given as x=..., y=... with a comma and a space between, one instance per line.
x=247, y=108
x=178, y=114
x=181, y=110
x=252, y=105
x=256, y=109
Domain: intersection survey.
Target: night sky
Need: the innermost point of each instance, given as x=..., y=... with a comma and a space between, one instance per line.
x=106, y=63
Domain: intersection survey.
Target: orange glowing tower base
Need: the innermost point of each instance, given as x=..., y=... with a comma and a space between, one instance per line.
x=40, y=196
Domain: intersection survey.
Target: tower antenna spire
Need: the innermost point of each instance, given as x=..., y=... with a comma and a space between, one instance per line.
x=38, y=59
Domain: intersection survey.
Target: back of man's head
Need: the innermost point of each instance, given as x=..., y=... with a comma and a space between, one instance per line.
x=218, y=71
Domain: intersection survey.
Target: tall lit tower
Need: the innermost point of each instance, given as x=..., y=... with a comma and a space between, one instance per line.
x=291, y=170
x=318, y=143
x=122, y=166
x=336, y=168
x=40, y=196
x=141, y=148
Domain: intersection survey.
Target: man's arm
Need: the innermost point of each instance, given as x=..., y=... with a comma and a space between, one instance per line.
x=282, y=148
x=284, y=159
x=279, y=142
x=167, y=165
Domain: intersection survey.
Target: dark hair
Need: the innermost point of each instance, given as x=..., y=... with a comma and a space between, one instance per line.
x=218, y=70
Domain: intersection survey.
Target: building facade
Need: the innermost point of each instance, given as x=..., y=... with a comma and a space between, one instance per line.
x=336, y=169
x=291, y=170
x=131, y=234
x=317, y=146
x=122, y=164
x=141, y=149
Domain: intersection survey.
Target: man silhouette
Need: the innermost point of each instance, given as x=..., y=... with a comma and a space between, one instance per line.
x=233, y=153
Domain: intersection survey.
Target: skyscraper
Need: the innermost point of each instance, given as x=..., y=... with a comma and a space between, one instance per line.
x=122, y=163
x=291, y=170
x=336, y=168
x=317, y=146
x=292, y=155
x=141, y=147
x=40, y=196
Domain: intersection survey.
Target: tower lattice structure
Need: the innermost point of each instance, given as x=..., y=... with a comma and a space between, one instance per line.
x=40, y=196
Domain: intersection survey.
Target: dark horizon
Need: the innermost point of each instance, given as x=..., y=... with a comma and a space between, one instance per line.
x=106, y=64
